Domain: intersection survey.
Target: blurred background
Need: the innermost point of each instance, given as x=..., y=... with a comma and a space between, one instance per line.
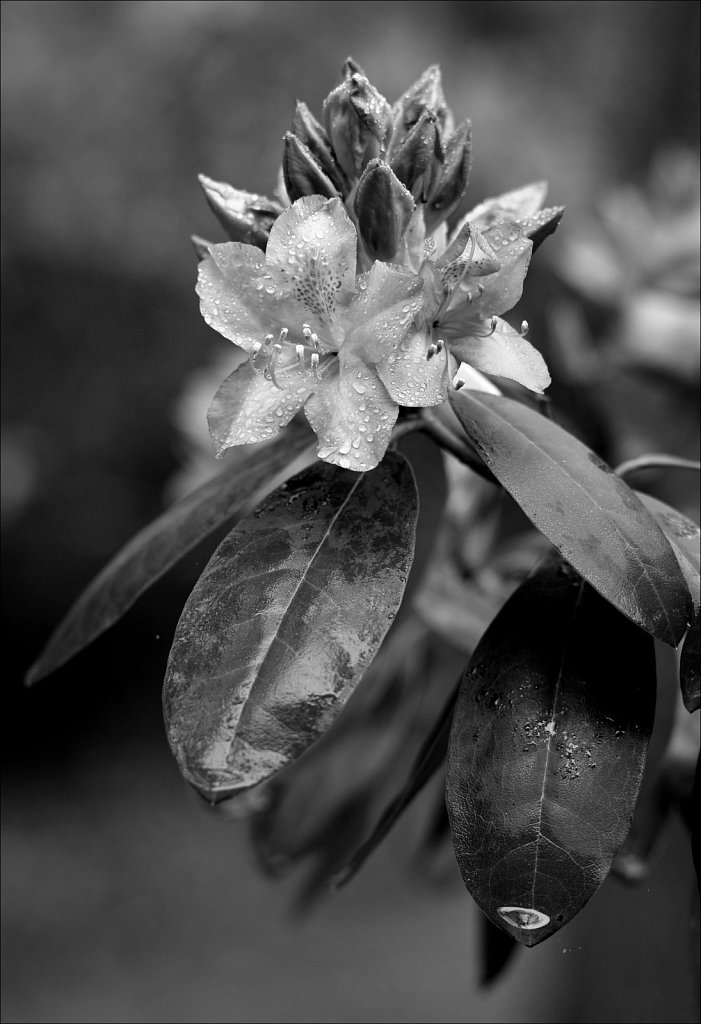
x=124, y=899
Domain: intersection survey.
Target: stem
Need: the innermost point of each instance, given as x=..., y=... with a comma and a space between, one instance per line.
x=655, y=461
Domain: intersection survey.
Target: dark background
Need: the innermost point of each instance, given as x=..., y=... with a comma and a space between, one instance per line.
x=124, y=900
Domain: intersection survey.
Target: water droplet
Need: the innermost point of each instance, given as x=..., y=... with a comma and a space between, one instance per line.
x=524, y=918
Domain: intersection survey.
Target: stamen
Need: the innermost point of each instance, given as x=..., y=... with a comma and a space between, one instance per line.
x=300, y=350
x=315, y=341
x=314, y=361
x=524, y=328
x=282, y=337
x=269, y=372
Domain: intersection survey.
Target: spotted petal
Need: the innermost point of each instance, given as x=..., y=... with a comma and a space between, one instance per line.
x=497, y=293
x=237, y=297
x=504, y=353
x=352, y=415
x=412, y=379
x=248, y=407
x=380, y=317
x=312, y=252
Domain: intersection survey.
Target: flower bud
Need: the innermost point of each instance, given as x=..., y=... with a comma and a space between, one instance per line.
x=383, y=208
x=454, y=177
x=245, y=216
x=358, y=122
x=312, y=135
x=303, y=175
x=418, y=161
x=425, y=94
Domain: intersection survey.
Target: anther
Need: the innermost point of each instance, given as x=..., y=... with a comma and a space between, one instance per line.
x=524, y=328
x=282, y=337
x=300, y=350
x=314, y=362
x=315, y=341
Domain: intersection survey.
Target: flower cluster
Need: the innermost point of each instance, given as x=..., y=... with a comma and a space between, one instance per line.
x=349, y=294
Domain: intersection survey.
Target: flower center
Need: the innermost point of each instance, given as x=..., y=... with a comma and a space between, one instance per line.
x=272, y=356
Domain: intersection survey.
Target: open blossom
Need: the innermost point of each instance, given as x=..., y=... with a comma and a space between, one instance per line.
x=370, y=191
x=318, y=338
x=467, y=286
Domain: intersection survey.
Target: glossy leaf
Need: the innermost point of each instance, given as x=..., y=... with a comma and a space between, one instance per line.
x=322, y=807
x=591, y=516
x=683, y=534
x=286, y=617
x=162, y=543
x=547, y=751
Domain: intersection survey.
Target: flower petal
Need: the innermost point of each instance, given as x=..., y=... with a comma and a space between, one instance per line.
x=386, y=301
x=312, y=250
x=352, y=415
x=237, y=297
x=248, y=407
x=496, y=293
x=520, y=202
x=505, y=353
x=412, y=379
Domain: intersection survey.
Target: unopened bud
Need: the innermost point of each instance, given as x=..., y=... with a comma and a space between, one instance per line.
x=424, y=94
x=418, y=161
x=311, y=134
x=383, y=208
x=303, y=175
x=358, y=121
x=245, y=216
x=453, y=181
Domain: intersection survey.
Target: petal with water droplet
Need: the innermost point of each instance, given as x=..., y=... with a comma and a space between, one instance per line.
x=411, y=378
x=504, y=353
x=341, y=416
x=312, y=249
x=248, y=407
x=381, y=315
x=233, y=300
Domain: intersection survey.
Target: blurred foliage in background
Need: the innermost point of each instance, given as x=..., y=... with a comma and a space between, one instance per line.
x=120, y=902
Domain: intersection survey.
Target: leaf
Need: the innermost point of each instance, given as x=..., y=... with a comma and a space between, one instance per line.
x=323, y=806
x=589, y=514
x=683, y=535
x=429, y=758
x=162, y=543
x=283, y=622
x=547, y=752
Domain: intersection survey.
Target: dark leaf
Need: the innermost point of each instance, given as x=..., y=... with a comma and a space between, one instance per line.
x=547, y=751
x=286, y=617
x=323, y=806
x=683, y=534
x=162, y=543
x=589, y=514
x=430, y=757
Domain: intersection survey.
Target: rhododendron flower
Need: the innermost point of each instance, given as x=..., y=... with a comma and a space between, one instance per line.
x=318, y=338
x=466, y=288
